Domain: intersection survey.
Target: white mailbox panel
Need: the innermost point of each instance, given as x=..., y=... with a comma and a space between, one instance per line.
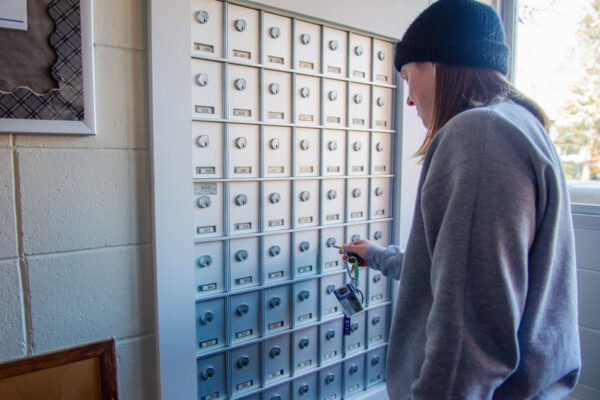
x=358, y=199
x=243, y=258
x=277, y=99
x=358, y=153
x=207, y=153
x=380, y=196
x=209, y=268
x=381, y=162
x=305, y=387
x=276, y=257
x=277, y=151
x=211, y=377
x=243, y=207
x=306, y=149
x=306, y=252
x=208, y=209
x=383, y=61
x=206, y=29
x=382, y=108
x=377, y=325
x=330, y=256
x=242, y=89
x=331, y=336
x=277, y=356
x=308, y=46
x=306, y=203
x=210, y=325
x=335, y=49
x=376, y=366
x=333, y=197
x=308, y=96
x=356, y=232
x=242, y=33
x=354, y=376
x=378, y=287
x=379, y=233
x=277, y=35
x=278, y=309
x=334, y=152
x=359, y=102
x=334, y=103
x=355, y=342
x=330, y=382
x=276, y=205
x=245, y=369
x=330, y=306
x=306, y=345
x=360, y=57
x=243, y=150
x=244, y=312
x=306, y=297
x=207, y=89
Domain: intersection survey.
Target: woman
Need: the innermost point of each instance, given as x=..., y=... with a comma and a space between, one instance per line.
x=487, y=303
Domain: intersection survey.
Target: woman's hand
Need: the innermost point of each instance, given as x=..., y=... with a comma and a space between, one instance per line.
x=357, y=249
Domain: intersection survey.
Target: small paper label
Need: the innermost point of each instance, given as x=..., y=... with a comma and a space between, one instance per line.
x=332, y=354
x=381, y=123
x=305, y=169
x=205, y=170
x=353, y=388
x=306, y=117
x=276, y=222
x=333, y=168
x=358, y=74
x=208, y=287
x=275, y=275
x=377, y=297
x=243, y=281
x=380, y=168
x=211, y=396
x=205, y=189
x=305, y=269
x=333, y=120
x=242, y=54
x=275, y=325
x=332, y=397
x=244, y=385
x=353, y=346
x=332, y=217
x=358, y=168
x=376, y=338
x=335, y=70
x=382, y=78
x=208, y=343
x=305, y=220
x=331, y=310
x=239, y=112
x=242, y=170
x=242, y=226
x=331, y=264
x=274, y=115
x=275, y=60
x=275, y=374
x=305, y=364
x=204, y=47
x=358, y=121
x=204, y=109
x=356, y=214
x=242, y=334
x=275, y=170
x=305, y=317
x=380, y=212
x=306, y=64
x=206, y=229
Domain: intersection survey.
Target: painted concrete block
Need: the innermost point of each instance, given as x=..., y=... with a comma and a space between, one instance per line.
x=12, y=335
x=8, y=232
x=81, y=199
x=5, y=141
x=81, y=297
x=120, y=23
x=136, y=368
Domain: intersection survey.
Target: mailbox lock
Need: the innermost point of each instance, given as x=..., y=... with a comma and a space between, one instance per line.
x=303, y=343
x=358, y=50
x=275, y=32
x=332, y=194
x=274, y=251
x=204, y=202
x=330, y=334
x=304, y=92
x=376, y=320
x=240, y=142
x=205, y=261
x=329, y=379
x=274, y=302
x=375, y=361
x=305, y=38
x=303, y=390
x=240, y=25
x=274, y=198
x=240, y=84
x=357, y=146
x=356, y=192
x=241, y=255
x=274, y=88
x=274, y=143
x=358, y=98
x=353, y=369
x=378, y=191
x=332, y=145
x=304, y=144
x=379, y=147
x=275, y=352
x=242, y=309
x=241, y=199
x=202, y=79
x=304, y=246
x=304, y=196
x=330, y=242
x=202, y=141
x=355, y=237
x=380, y=101
x=303, y=296
x=333, y=45
x=377, y=235
x=208, y=373
x=381, y=55
x=376, y=278
x=243, y=362
x=202, y=16
x=354, y=326
x=206, y=318
x=332, y=95
x=330, y=289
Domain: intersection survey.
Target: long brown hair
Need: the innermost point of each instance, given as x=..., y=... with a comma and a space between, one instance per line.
x=459, y=88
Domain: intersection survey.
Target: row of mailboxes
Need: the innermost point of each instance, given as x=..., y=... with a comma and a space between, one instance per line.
x=337, y=381
x=343, y=152
x=286, y=43
x=345, y=104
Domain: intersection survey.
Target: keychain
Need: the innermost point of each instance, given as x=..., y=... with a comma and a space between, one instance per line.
x=347, y=295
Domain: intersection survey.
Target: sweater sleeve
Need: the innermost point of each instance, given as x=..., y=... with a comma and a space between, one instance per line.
x=387, y=260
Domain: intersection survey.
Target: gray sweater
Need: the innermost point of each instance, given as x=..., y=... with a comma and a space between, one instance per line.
x=487, y=304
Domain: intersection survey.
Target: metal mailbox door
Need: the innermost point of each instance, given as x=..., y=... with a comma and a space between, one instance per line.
x=354, y=375
x=334, y=153
x=383, y=66
x=277, y=309
x=277, y=151
x=380, y=197
x=245, y=369
x=306, y=149
x=358, y=153
x=243, y=258
x=307, y=46
x=356, y=232
x=276, y=257
x=210, y=325
x=306, y=252
x=305, y=387
x=331, y=340
x=244, y=313
x=306, y=203
x=277, y=99
x=305, y=348
x=207, y=145
x=378, y=287
x=206, y=30
x=276, y=205
x=277, y=358
x=379, y=233
x=242, y=33
x=243, y=150
x=330, y=256
x=375, y=366
x=330, y=382
x=333, y=198
x=360, y=57
x=355, y=342
x=280, y=392
x=243, y=207
x=211, y=377
x=308, y=97
x=210, y=268
x=306, y=300
x=382, y=107
x=334, y=103
x=277, y=36
x=208, y=209
x=381, y=162
x=358, y=105
x=376, y=325
x=207, y=89
x=242, y=90
x=335, y=49
x=358, y=199
x=330, y=306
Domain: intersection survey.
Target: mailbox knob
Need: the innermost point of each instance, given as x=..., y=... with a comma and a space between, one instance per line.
x=304, y=92
x=358, y=50
x=202, y=79
x=304, y=295
x=358, y=98
x=274, y=88
x=330, y=334
x=202, y=16
x=381, y=55
x=376, y=278
x=240, y=84
x=304, y=196
x=330, y=289
x=274, y=143
x=332, y=95
x=242, y=309
x=380, y=101
x=353, y=369
x=329, y=379
x=241, y=199
x=305, y=38
x=377, y=235
x=274, y=302
x=354, y=326
x=241, y=255
x=355, y=237
x=208, y=373
x=379, y=146
x=304, y=144
x=332, y=194
x=276, y=397
x=205, y=261
x=240, y=142
x=376, y=320
x=274, y=197
x=274, y=251
x=356, y=192
x=333, y=44
x=204, y=202
x=357, y=146
x=275, y=32
x=332, y=145
x=243, y=362
x=206, y=318
x=275, y=352
x=378, y=191
x=303, y=343
x=240, y=25
x=202, y=141
x=375, y=361
x=330, y=242
x=304, y=246
x=303, y=390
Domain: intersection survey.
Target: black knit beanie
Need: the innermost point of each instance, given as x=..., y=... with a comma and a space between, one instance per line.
x=456, y=32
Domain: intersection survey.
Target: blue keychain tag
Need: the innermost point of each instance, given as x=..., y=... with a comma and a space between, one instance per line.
x=347, y=330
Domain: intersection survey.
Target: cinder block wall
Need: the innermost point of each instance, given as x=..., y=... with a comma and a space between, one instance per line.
x=75, y=229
